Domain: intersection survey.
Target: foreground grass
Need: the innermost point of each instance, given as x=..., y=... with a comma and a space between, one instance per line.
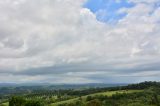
x=5, y=104
x=108, y=93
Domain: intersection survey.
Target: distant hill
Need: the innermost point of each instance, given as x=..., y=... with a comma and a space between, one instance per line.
x=14, y=88
x=140, y=94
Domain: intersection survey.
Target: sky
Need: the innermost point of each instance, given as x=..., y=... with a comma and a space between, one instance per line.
x=79, y=41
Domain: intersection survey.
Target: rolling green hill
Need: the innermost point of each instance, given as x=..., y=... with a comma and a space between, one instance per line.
x=142, y=94
x=108, y=93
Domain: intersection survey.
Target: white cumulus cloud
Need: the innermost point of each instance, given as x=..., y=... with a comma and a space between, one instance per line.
x=66, y=37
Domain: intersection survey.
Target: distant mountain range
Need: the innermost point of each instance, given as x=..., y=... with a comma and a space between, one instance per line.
x=61, y=85
x=15, y=88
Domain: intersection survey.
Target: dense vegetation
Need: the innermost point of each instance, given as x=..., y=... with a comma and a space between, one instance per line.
x=142, y=94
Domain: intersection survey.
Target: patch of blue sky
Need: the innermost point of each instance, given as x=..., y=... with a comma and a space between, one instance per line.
x=107, y=10
x=157, y=5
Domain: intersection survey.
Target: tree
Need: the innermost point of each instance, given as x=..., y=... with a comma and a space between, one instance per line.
x=34, y=103
x=94, y=103
x=17, y=101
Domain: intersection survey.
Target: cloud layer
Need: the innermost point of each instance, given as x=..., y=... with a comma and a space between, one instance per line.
x=60, y=40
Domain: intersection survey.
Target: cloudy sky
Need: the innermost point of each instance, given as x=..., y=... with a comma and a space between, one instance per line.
x=79, y=41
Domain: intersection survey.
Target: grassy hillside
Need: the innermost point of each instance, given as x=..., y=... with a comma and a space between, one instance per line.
x=142, y=94
x=108, y=93
x=5, y=104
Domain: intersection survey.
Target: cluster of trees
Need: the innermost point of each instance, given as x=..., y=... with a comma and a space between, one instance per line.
x=20, y=101
x=149, y=97
x=139, y=86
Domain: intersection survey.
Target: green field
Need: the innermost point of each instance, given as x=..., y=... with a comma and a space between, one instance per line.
x=5, y=104
x=142, y=94
x=108, y=93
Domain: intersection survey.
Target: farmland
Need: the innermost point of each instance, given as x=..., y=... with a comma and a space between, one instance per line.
x=141, y=94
